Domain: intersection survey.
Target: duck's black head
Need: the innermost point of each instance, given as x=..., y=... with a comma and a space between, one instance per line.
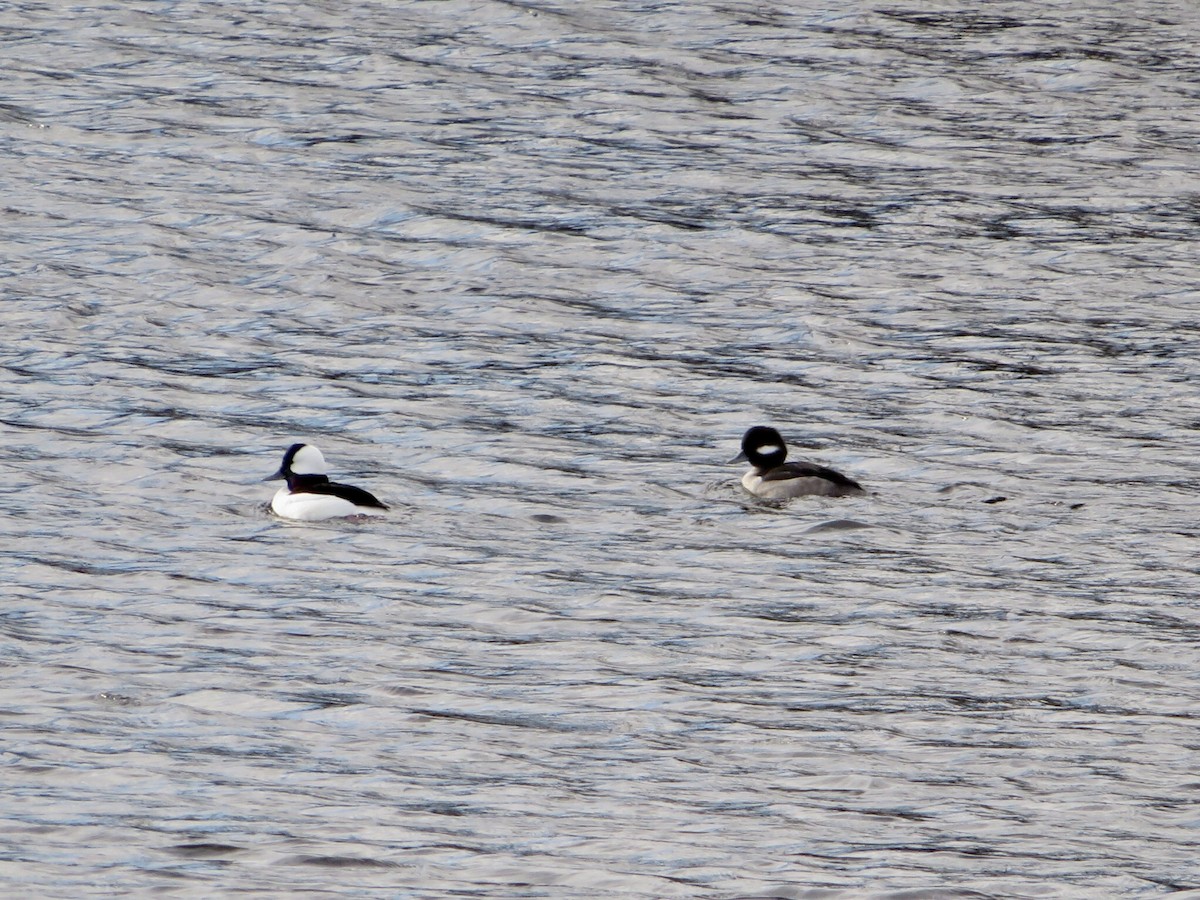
x=301, y=461
x=762, y=447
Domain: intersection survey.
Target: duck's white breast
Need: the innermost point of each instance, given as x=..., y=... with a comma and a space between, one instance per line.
x=782, y=489
x=314, y=507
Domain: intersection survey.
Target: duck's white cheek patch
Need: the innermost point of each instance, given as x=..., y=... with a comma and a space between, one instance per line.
x=768, y=450
x=308, y=461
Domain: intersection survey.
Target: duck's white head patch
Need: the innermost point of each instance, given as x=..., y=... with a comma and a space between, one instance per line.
x=308, y=461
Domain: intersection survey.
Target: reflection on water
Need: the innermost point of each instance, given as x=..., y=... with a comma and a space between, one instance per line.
x=528, y=272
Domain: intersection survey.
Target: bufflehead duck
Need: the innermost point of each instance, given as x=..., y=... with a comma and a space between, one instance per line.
x=310, y=495
x=774, y=479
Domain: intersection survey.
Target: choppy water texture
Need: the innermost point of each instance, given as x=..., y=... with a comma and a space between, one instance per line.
x=527, y=270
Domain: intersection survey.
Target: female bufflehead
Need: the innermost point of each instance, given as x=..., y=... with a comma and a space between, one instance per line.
x=310, y=495
x=774, y=479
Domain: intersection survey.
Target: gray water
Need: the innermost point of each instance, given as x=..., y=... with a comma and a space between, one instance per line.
x=527, y=271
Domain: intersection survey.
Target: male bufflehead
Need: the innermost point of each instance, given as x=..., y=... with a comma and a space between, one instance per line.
x=310, y=495
x=774, y=479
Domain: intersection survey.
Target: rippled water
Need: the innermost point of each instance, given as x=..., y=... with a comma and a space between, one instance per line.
x=527, y=271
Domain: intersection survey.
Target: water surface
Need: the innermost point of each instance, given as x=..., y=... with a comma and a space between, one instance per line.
x=527, y=271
